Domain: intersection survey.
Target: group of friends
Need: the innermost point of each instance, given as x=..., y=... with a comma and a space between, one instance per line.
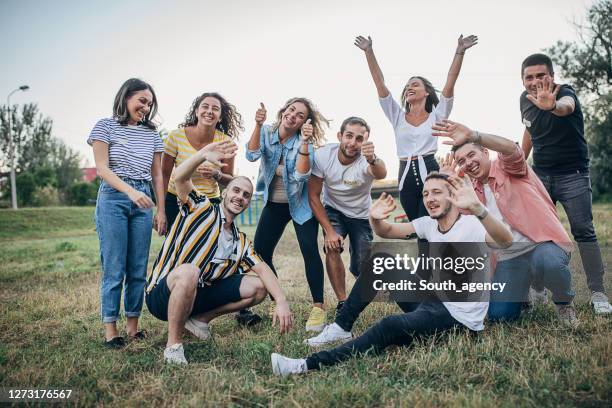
x=207, y=267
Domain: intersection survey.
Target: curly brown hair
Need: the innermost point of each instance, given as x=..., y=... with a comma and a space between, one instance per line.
x=316, y=119
x=230, y=122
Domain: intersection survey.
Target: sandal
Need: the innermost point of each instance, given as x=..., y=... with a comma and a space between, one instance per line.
x=115, y=342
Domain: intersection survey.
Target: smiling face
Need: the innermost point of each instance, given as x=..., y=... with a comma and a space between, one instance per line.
x=435, y=194
x=209, y=111
x=415, y=91
x=294, y=116
x=474, y=160
x=237, y=195
x=534, y=74
x=139, y=105
x=351, y=140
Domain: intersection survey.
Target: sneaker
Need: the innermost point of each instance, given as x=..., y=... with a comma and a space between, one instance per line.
x=175, y=354
x=283, y=366
x=316, y=320
x=600, y=303
x=331, y=333
x=567, y=315
x=247, y=318
x=199, y=329
x=537, y=297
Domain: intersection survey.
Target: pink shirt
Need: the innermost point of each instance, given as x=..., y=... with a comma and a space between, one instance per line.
x=523, y=200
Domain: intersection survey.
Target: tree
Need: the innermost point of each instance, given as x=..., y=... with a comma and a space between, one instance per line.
x=587, y=64
x=42, y=160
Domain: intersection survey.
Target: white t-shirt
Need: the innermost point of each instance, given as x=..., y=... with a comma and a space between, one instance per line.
x=346, y=188
x=520, y=243
x=467, y=229
x=225, y=243
x=414, y=140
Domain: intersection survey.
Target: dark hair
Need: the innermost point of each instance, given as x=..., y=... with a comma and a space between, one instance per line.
x=354, y=120
x=432, y=99
x=455, y=148
x=230, y=122
x=537, y=59
x=129, y=88
x=317, y=119
x=434, y=175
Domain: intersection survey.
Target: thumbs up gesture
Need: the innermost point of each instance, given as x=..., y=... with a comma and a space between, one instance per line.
x=307, y=131
x=260, y=115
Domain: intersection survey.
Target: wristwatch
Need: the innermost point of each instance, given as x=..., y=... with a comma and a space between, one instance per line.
x=483, y=214
x=217, y=175
x=373, y=160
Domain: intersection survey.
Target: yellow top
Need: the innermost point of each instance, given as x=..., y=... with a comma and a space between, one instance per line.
x=177, y=145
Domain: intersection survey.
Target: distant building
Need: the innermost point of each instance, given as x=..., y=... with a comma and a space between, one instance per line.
x=89, y=174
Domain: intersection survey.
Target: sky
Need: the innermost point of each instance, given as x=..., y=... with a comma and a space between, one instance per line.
x=75, y=55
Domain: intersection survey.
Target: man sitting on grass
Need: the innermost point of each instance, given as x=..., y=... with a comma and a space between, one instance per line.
x=514, y=193
x=443, y=196
x=199, y=272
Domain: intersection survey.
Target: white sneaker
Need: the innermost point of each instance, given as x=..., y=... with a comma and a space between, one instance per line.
x=600, y=303
x=284, y=366
x=199, y=329
x=175, y=354
x=330, y=334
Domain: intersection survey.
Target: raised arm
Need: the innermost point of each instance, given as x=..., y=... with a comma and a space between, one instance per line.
x=377, y=75
x=526, y=145
x=260, y=118
x=453, y=73
x=461, y=134
x=380, y=211
x=546, y=99
x=214, y=153
x=376, y=166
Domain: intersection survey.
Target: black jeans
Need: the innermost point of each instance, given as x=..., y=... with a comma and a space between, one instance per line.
x=574, y=193
x=428, y=318
x=274, y=218
x=411, y=193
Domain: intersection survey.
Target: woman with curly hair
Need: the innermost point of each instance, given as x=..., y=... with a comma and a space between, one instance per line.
x=420, y=109
x=211, y=118
x=286, y=150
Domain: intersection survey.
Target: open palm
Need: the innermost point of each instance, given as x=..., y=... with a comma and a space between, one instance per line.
x=463, y=43
x=363, y=43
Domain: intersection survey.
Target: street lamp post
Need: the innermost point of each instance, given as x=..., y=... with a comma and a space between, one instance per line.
x=12, y=146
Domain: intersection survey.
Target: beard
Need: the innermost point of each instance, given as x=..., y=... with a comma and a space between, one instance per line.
x=345, y=153
x=444, y=213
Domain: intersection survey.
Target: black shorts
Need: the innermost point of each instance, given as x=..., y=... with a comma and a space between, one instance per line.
x=221, y=292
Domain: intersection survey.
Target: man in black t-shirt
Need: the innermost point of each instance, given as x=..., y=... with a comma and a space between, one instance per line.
x=554, y=127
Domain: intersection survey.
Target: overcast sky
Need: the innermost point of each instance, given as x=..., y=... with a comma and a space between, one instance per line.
x=74, y=55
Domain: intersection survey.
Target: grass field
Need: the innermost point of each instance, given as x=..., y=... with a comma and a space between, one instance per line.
x=51, y=336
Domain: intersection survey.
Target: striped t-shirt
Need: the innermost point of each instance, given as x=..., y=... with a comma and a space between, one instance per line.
x=177, y=145
x=194, y=239
x=130, y=148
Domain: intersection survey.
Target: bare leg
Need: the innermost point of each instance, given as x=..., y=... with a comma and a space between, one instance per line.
x=183, y=285
x=110, y=331
x=336, y=273
x=132, y=326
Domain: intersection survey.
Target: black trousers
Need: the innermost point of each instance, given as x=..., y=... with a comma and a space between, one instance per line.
x=274, y=218
x=411, y=193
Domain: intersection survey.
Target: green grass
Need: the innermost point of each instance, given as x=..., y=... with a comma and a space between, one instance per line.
x=51, y=336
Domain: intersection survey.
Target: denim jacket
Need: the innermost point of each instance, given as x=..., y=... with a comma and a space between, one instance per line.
x=270, y=151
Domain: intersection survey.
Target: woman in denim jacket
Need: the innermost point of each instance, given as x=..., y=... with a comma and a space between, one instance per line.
x=286, y=152
x=127, y=150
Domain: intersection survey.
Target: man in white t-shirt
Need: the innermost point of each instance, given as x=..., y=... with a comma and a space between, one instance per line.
x=443, y=197
x=344, y=172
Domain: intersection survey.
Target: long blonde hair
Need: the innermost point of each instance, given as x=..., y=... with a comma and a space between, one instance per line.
x=316, y=119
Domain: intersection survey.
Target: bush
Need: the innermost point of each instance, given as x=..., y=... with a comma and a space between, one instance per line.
x=46, y=197
x=82, y=193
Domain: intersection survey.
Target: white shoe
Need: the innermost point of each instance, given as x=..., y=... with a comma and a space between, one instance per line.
x=600, y=303
x=199, y=329
x=330, y=334
x=175, y=354
x=284, y=366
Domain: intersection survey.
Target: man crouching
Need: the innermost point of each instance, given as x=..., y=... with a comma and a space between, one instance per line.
x=199, y=272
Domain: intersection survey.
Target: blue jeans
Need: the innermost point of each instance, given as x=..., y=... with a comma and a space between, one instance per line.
x=547, y=263
x=124, y=231
x=574, y=193
x=358, y=231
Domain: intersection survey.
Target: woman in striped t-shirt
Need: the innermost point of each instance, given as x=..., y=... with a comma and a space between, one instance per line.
x=210, y=119
x=127, y=150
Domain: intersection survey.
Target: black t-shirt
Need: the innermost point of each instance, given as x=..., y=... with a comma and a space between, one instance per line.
x=559, y=146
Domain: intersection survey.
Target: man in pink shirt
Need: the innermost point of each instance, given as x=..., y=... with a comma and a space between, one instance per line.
x=510, y=190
